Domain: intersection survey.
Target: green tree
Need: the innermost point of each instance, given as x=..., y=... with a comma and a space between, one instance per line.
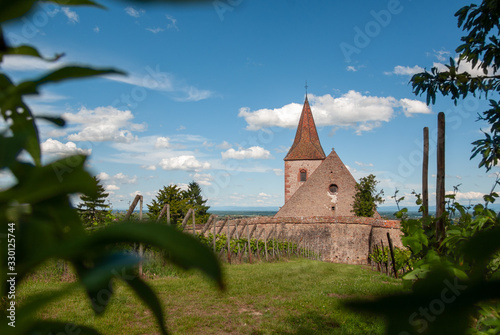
x=195, y=200
x=94, y=209
x=174, y=196
x=367, y=197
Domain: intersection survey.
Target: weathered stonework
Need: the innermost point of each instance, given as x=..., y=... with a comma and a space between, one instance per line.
x=314, y=197
x=337, y=239
x=292, y=174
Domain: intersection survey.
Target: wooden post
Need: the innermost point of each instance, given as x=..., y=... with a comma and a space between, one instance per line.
x=141, y=249
x=194, y=223
x=132, y=207
x=257, y=237
x=265, y=246
x=186, y=219
x=223, y=224
x=392, y=255
x=425, y=174
x=168, y=213
x=163, y=210
x=274, y=251
x=383, y=253
x=215, y=223
x=228, y=245
x=208, y=223
x=440, y=187
x=249, y=248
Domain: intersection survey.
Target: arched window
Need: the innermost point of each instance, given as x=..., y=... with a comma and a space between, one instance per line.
x=303, y=175
x=333, y=188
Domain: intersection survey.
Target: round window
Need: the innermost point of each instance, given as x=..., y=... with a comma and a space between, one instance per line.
x=333, y=188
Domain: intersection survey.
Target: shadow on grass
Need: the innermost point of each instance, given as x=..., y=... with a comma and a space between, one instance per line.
x=310, y=323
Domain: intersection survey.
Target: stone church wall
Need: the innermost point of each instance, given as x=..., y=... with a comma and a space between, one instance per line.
x=292, y=174
x=337, y=239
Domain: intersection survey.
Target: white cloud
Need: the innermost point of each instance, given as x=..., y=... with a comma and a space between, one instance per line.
x=363, y=164
x=224, y=145
x=264, y=195
x=162, y=142
x=351, y=110
x=103, y=124
x=441, y=55
x=149, y=167
x=118, y=178
x=184, y=162
x=411, y=107
x=97, y=29
x=56, y=133
x=255, y=152
x=135, y=12
x=172, y=22
x=278, y=172
x=406, y=70
x=203, y=178
x=467, y=195
x=112, y=187
x=51, y=146
x=71, y=15
x=155, y=30
x=351, y=68
x=465, y=66
x=155, y=79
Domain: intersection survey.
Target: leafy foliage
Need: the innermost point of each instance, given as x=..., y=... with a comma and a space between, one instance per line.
x=366, y=197
x=481, y=49
x=402, y=256
x=36, y=209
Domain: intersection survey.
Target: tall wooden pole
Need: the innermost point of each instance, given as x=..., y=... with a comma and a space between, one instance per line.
x=440, y=187
x=141, y=249
x=425, y=174
x=168, y=213
x=194, y=224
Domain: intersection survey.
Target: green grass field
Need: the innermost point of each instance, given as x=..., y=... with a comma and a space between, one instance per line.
x=294, y=297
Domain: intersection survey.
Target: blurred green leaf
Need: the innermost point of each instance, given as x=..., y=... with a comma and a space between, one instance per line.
x=27, y=50
x=64, y=176
x=182, y=249
x=10, y=147
x=58, y=121
x=149, y=297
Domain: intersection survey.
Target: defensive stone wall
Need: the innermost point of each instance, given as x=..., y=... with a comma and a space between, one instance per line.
x=337, y=239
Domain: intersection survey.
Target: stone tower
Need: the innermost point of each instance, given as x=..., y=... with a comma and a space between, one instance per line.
x=305, y=155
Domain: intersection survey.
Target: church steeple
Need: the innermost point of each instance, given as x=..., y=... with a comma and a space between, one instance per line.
x=306, y=145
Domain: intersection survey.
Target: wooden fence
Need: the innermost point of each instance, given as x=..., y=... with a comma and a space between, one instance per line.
x=235, y=240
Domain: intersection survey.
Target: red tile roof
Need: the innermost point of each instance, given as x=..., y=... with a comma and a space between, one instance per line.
x=306, y=145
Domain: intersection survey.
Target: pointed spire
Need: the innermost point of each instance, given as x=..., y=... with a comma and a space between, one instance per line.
x=306, y=145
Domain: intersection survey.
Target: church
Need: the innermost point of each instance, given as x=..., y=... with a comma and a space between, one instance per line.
x=315, y=184
x=317, y=213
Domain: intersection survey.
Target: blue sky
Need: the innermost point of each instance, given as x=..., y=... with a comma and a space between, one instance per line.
x=214, y=92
